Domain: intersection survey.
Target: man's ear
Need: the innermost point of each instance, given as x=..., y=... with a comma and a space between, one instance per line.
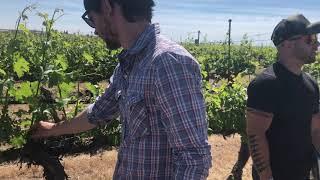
x=106, y=7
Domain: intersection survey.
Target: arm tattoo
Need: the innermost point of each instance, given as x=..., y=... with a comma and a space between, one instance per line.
x=256, y=154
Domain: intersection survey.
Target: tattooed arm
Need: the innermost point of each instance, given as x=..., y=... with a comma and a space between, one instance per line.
x=315, y=131
x=258, y=122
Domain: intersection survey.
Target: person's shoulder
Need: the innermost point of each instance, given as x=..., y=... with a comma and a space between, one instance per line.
x=265, y=80
x=168, y=46
x=266, y=76
x=168, y=51
x=310, y=78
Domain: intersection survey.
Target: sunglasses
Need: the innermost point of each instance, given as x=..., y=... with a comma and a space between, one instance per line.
x=87, y=19
x=310, y=40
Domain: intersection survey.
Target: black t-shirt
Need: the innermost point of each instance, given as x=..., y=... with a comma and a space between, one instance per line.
x=292, y=99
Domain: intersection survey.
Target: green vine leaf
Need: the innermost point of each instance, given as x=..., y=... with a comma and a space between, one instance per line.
x=20, y=66
x=2, y=72
x=87, y=57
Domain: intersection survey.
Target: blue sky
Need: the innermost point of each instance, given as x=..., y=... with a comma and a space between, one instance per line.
x=181, y=19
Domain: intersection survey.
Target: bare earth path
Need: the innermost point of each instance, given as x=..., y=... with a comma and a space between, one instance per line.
x=100, y=167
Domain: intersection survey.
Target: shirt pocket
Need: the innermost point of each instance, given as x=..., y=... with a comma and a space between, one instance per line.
x=138, y=118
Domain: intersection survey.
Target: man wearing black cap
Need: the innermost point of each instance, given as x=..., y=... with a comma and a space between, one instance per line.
x=156, y=90
x=283, y=105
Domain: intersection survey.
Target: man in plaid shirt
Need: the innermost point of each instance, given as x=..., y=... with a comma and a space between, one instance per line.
x=156, y=90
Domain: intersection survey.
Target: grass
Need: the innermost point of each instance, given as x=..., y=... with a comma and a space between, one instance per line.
x=101, y=166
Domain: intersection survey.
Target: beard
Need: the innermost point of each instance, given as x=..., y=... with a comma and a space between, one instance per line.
x=111, y=40
x=110, y=37
x=112, y=45
x=306, y=56
x=311, y=59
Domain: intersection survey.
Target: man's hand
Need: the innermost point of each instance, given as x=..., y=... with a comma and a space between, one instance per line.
x=43, y=129
x=77, y=125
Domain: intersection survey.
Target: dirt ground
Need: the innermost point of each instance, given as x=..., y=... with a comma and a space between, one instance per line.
x=100, y=167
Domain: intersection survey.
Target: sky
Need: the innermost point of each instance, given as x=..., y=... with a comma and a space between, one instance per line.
x=181, y=19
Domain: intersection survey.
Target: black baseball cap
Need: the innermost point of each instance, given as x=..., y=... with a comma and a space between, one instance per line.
x=293, y=26
x=92, y=5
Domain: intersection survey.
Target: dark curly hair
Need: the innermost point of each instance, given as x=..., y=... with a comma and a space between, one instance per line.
x=133, y=10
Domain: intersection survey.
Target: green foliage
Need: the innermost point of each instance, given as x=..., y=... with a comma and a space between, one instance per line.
x=226, y=107
x=33, y=61
x=21, y=91
x=92, y=88
x=314, y=68
x=20, y=65
x=67, y=89
x=226, y=77
x=244, y=58
x=41, y=69
x=2, y=72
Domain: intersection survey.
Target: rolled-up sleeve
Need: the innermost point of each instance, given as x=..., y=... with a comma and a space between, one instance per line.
x=105, y=108
x=178, y=84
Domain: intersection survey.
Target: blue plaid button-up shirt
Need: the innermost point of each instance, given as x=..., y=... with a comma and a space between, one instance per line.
x=156, y=90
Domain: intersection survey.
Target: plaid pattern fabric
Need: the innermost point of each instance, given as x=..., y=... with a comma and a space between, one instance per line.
x=156, y=89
